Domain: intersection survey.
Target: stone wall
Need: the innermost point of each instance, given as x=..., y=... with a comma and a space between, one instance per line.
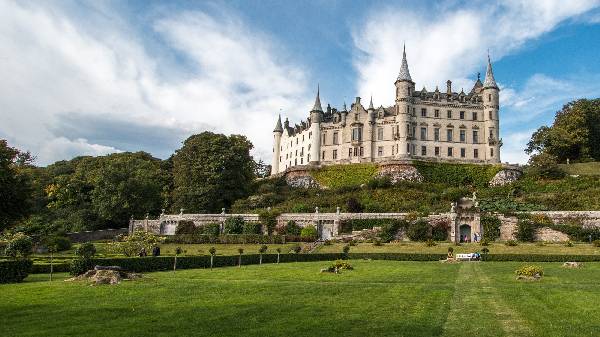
x=104, y=234
x=506, y=176
x=301, y=177
x=397, y=172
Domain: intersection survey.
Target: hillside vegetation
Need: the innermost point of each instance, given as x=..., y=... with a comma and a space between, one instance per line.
x=589, y=169
x=444, y=183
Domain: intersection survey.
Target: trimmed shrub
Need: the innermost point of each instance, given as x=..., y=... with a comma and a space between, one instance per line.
x=185, y=227
x=530, y=271
x=12, y=271
x=430, y=243
x=525, y=230
x=17, y=245
x=80, y=266
x=252, y=228
x=308, y=231
x=234, y=225
x=491, y=227
x=44, y=268
x=86, y=250
x=418, y=230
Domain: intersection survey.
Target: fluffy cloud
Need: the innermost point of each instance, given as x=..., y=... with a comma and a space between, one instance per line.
x=72, y=88
x=450, y=41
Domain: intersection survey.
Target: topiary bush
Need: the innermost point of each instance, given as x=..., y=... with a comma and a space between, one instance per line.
x=86, y=250
x=418, y=230
x=234, y=225
x=308, y=231
x=491, y=227
x=80, y=266
x=185, y=227
x=15, y=270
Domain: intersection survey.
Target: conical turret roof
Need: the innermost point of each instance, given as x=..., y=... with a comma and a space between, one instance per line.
x=371, y=104
x=278, y=126
x=317, y=106
x=489, y=81
x=404, y=74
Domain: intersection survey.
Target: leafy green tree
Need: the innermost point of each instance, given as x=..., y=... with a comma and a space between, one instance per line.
x=18, y=245
x=130, y=245
x=234, y=225
x=211, y=171
x=574, y=135
x=15, y=188
x=309, y=231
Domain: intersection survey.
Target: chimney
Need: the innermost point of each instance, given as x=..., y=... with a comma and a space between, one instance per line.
x=449, y=87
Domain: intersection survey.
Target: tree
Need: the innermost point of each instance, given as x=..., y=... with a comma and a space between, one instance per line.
x=212, y=252
x=18, y=245
x=15, y=188
x=240, y=251
x=574, y=135
x=211, y=171
x=261, y=251
x=278, y=253
x=234, y=225
x=130, y=245
x=309, y=231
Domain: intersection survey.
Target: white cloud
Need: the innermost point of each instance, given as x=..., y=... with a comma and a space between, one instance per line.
x=450, y=43
x=55, y=66
x=513, y=150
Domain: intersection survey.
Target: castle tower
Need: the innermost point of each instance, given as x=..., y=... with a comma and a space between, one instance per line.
x=491, y=105
x=315, y=131
x=404, y=90
x=277, y=132
x=371, y=128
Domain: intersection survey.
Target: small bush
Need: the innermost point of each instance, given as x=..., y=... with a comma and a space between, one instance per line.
x=530, y=271
x=296, y=249
x=525, y=230
x=342, y=265
x=379, y=182
x=86, y=250
x=418, y=230
x=377, y=242
x=14, y=271
x=185, y=227
x=569, y=244
x=308, y=231
x=252, y=228
x=346, y=249
x=234, y=225
x=18, y=245
x=213, y=229
x=484, y=242
x=430, y=243
x=80, y=266
x=352, y=243
x=485, y=250
x=511, y=243
x=491, y=227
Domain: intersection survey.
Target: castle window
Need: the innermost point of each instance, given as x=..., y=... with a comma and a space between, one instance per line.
x=491, y=133
x=324, y=137
x=380, y=133
x=357, y=134
x=463, y=152
x=350, y=152
x=296, y=141
x=423, y=150
x=436, y=113
x=423, y=112
x=436, y=134
x=335, y=138
x=295, y=162
x=449, y=113
x=408, y=148
x=491, y=152
x=309, y=134
x=356, y=117
x=491, y=115
x=361, y=151
x=449, y=135
x=356, y=152
x=423, y=133
x=475, y=153
x=380, y=151
x=489, y=97
x=323, y=155
x=475, y=136
x=462, y=115
x=414, y=149
x=302, y=137
x=308, y=158
x=474, y=116
x=437, y=151
x=301, y=161
x=463, y=136
x=334, y=154
x=450, y=150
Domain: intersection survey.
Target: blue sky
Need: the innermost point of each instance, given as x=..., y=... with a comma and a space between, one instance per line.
x=99, y=77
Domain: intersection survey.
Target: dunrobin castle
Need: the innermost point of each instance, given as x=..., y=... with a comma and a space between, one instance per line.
x=421, y=125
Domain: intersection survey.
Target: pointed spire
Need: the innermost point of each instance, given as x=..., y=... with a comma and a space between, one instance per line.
x=345, y=109
x=404, y=74
x=489, y=81
x=317, y=106
x=278, y=126
x=371, y=104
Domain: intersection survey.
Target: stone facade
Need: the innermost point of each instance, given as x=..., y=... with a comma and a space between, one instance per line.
x=426, y=125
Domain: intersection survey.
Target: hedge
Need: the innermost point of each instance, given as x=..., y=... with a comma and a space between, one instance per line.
x=347, y=226
x=540, y=257
x=44, y=268
x=457, y=174
x=12, y=271
x=236, y=239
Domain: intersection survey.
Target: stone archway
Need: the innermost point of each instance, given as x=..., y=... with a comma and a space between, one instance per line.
x=464, y=231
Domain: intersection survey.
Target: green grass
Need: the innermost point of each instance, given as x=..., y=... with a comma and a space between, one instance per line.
x=589, y=169
x=378, y=298
x=442, y=248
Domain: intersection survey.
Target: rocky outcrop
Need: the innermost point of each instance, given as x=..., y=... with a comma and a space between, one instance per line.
x=301, y=178
x=551, y=235
x=399, y=172
x=506, y=176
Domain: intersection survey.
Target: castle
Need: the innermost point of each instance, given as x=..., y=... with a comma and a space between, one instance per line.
x=421, y=125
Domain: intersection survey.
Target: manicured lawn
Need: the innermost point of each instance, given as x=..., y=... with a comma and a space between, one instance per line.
x=378, y=298
x=442, y=248
x=592, y=168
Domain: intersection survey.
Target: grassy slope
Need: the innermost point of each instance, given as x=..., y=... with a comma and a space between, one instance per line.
x=592, y=168
x=529, y=193
x=378, y=298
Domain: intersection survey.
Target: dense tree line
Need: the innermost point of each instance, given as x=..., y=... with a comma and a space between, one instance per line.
x=208, y=173
x=574, y=135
